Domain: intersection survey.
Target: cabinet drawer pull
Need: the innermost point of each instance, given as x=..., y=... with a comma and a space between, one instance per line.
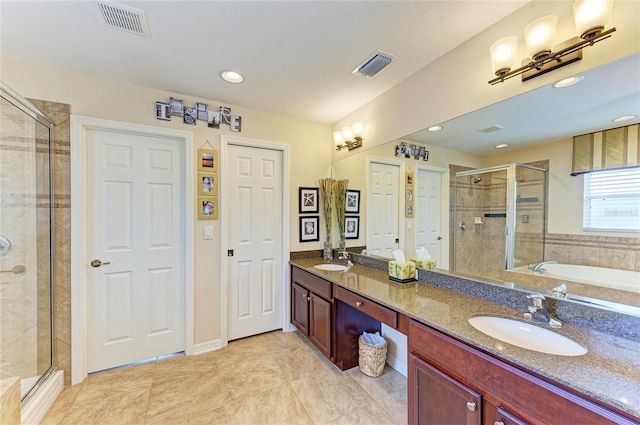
x=471, y=406
x=358, y=304
x=498, y=423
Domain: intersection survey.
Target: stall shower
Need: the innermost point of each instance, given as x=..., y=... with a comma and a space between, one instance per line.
x=27, y=349
x=499, y=219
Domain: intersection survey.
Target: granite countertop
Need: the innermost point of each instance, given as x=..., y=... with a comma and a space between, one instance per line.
x=609, y=372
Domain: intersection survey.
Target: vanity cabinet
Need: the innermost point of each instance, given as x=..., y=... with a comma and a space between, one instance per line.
x=311, y=308
x=451, y=382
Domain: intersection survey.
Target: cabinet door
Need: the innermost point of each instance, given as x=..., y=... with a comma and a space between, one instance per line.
x=300, y=308
x=320, y=324
x=436, y=398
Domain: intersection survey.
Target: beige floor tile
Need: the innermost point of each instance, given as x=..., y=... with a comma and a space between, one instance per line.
x=274, y=378
x=389, y=389
x=280, y=406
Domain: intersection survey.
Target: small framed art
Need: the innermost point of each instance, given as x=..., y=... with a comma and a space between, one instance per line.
x=163, y=111
x=408, y=210
x=351, y=227
x=308, y=198
x=408, y=195
x=207, y=184
x=408, y=179
x=208, y=160
x=309, y=228
x=207, y=208
x=353, y=202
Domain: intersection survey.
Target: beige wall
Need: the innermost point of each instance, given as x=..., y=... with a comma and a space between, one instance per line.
x=457, y=83
x=309, y=144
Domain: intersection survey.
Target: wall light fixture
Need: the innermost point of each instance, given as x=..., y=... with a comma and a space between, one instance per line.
x=591, y=18
x=342, y=138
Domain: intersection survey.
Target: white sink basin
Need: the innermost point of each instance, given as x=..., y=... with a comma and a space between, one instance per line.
x=331, y=266
x=527, y=336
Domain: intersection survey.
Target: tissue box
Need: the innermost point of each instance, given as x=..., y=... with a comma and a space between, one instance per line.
x=402, y=272
x=428, y=264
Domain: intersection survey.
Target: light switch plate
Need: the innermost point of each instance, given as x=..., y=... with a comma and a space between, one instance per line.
x=208, y=232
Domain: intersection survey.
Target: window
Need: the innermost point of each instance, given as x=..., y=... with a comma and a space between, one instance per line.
x=612, y=200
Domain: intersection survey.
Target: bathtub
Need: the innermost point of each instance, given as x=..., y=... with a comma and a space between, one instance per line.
x=625, y=280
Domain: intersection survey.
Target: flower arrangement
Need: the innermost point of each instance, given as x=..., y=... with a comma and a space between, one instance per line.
x=339, y=199
x=326, y=203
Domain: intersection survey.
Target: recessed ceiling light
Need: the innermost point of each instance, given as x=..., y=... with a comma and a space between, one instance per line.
x=435, y=128
x=231, y=77
x=567, y=82
x=624, y=118
x=502, y=145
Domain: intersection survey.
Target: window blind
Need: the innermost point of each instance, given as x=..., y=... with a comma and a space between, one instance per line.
x=612, y=200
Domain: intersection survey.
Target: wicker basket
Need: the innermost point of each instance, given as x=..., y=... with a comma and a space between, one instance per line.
x=371, y=358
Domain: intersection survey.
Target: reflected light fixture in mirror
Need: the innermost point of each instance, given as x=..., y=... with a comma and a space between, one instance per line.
x=343, y=138
x=591, y=18
x=434, y=128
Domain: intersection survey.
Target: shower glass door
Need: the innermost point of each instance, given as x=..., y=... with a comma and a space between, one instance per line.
x=26, y=325
x=480, y=223
x=529, y=215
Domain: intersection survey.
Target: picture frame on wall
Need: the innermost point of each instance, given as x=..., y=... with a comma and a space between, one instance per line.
x=208, y=208
x=208, y=160
x=353, y=201
x=177, y=108
x=309, y=231
x=308, y=200
x=351, y=227
x=408, y=210
x=163, y=111
x=408, y=195
x=203, y=111
x=207, y=184
x=408, y=179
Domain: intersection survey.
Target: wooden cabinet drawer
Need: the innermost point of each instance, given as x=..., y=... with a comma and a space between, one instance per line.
x=368, y=307
x=532, y=399
x=311, y=282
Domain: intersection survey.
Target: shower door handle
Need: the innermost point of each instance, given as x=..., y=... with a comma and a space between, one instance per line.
x=98, y=263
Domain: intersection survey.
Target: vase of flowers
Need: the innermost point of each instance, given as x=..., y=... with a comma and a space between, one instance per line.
x=326, y=202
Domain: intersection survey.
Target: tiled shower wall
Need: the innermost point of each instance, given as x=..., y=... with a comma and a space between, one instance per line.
x=59, y=114
x=602, y=251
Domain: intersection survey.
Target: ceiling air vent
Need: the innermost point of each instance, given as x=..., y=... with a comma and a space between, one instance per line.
x=373, y=64
x=124, y=18
x=490, y=129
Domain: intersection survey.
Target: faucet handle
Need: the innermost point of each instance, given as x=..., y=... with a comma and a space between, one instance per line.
x=538, y=300
x=536, y=296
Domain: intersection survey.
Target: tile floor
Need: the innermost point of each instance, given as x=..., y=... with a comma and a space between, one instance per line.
x=275, y=378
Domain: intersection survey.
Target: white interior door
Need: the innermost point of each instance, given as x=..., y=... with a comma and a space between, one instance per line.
x=255, y=179
x=136, y=228
x=382, y=212
x=428, y=207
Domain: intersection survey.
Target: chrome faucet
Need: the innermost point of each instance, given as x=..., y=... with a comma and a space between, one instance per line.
x=537, y=267
x=538, y=307
x=344, y=255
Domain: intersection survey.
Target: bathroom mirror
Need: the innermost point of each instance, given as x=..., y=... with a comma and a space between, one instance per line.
x=545, y=116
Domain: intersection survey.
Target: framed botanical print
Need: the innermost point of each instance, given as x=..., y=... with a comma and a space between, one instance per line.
x=309, y=201
x=353, y=202
x=351, y=227
x=309, y=231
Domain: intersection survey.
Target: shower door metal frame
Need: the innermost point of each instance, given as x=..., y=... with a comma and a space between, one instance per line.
x=26, y=107
x=511, y=195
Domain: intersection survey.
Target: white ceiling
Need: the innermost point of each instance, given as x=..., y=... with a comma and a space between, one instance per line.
x=296, y=56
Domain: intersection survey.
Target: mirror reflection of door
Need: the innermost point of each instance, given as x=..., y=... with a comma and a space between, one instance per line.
x=382, y=215
x=428, y=206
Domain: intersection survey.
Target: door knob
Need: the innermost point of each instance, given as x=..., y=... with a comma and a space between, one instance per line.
x=98, y=263
x=471, y=406
x=439, y=238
